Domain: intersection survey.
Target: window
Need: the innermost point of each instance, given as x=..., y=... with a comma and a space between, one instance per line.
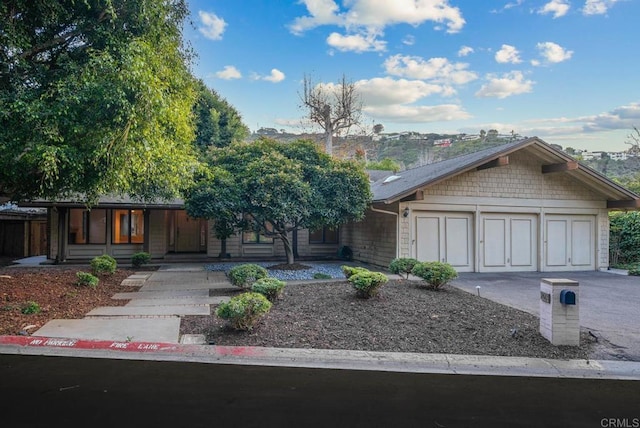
x=254, y=237
x=128, y=227
x=326, y=235
x=87, y=227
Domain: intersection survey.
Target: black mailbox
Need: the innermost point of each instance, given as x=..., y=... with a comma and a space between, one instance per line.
x=567, y=297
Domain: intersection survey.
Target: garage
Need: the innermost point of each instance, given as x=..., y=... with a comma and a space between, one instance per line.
x=508, y=242
x=445, y=237
x=570, y=242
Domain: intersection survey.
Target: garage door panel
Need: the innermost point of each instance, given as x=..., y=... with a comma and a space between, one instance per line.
x=509, y=242
x=445, y=237
x=522, y=242
x=570, y=242
x=428, y=238
x=581, y=244
x=457, y=241
x=557, y=242
x=495, y=246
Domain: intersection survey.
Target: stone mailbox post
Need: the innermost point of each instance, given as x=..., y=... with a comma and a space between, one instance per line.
x=559, y=311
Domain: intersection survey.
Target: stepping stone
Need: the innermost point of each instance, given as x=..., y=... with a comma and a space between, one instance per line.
x=136, y=279
x=168, y=294
x=148, y=311
x=194, y=301
x=165, y=330
x=193, y=339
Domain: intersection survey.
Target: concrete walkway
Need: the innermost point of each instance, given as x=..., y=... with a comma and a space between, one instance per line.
x=153, y=312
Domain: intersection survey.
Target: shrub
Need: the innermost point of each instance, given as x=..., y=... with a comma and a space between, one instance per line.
x=624, y=238
x=320, y=275
x=436, y=274
x=244, y=276
x=244, y=310
x=103, y=264
x=139, y=259
x=87, y=280
x=367, y=284
x=352, y=270
x=31, y=307
x=634, y=270
x=271, y=288
x=402, y=266
x=345, y=253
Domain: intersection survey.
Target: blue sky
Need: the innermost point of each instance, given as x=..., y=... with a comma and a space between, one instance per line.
x=563, y=70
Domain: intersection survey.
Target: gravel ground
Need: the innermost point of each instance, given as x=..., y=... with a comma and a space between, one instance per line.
x=331, y=269
x=405, y=317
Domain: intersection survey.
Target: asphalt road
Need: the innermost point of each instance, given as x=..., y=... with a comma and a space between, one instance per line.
x=50, y=391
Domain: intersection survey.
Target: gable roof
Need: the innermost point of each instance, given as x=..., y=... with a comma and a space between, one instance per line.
x=412, y=180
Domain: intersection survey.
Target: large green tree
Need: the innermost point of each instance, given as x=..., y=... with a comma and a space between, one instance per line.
x=274, y=188
x=218, y=123
x=95, y=97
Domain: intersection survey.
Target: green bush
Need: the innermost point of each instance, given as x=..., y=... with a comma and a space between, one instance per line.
x=139, y=259
x=103, y=264
x=345, y=253
x=244, y=276
x=634, y=270
x=349, y=271
x=87, y=280
x=436, y=274
x=320, y=275
x=402, y=265
x=31, y=307
x=244, y=310
x=271, y=288
x=624, y=238
x=367, y=284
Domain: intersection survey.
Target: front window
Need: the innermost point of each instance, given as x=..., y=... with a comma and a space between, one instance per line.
x=255, y=237
x=87, y=226
x=326, y=235
x=128, y=227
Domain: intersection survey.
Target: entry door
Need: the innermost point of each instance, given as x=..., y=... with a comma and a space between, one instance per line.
x=509, y=243
x=187, y=233
x=445, y=237
x=570, y=243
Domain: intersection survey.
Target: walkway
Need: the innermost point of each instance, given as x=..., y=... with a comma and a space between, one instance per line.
x=153, y=312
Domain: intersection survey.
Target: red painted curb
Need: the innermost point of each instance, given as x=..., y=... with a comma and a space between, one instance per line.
x=110, y=345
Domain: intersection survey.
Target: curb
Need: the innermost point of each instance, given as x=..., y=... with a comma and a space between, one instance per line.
x=324, y=359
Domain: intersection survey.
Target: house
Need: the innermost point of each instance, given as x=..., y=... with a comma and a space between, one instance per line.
x=522, y=206
x=23, y=231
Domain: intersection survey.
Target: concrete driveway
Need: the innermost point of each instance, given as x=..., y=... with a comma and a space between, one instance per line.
x=609, y=303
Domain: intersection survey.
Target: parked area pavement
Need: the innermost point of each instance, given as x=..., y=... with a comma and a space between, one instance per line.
x=609, y=303
x=152, y=313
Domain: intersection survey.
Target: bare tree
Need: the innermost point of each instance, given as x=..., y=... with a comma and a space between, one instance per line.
x=633, y=140
x=333, y=107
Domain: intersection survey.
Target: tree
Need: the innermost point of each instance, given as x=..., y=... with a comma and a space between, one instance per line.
x=218, y=123
x=633, y=140
x=378, y=128
x=277, y=188
x=334, y=107
x=95, y=97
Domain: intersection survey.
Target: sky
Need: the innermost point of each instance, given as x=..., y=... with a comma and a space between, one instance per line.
x=562, y=70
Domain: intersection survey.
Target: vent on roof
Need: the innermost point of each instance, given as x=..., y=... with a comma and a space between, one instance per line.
x=391, y=178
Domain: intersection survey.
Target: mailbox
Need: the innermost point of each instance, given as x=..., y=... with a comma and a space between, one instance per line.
x=567, y=297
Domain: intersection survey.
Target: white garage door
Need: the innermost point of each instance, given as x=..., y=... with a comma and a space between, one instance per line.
x=508, y=242
x=445, y=237
x=570, y=243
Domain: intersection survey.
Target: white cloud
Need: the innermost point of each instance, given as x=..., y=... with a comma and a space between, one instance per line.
x=381, y=91
x=465, y=50
x=557, y=7
x=504, y=86
x=508, y=54
x=376, y=14
x=508, y=6
x=409, y=40
x=436, y=69
x=213, y=25
x=229, y=72
x=553, y=52
x=356, y=42
x=597, y=7
x=417, y=114
x=624, y=117
x=274, y=77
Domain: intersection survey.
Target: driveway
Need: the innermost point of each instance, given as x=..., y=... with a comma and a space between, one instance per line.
x=609, y=303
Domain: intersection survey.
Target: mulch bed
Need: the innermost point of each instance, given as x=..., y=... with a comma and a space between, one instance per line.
x=405, y=317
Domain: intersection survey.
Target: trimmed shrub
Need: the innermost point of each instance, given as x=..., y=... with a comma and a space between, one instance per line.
x=244, y=276
x=87, y=280
x=436, y=274
x=367, y=284
x=244, y=310
x=320, y=275
x=271, y=288
x=349, y=271
x=139, y=259
x=345, y=253
x=402, y=266
x=30, y=308
x=634, y=270
x=103, y=264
